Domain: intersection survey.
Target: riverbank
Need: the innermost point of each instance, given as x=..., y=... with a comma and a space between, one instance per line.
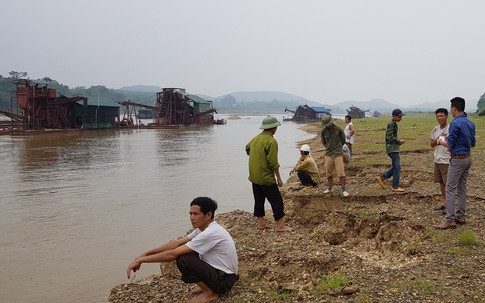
x=373, y=246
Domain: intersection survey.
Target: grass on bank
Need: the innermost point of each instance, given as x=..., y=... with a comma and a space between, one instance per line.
x=363, y=297
x=331, y=282
x=462, y=244
x=468, y=238
x=414, y=128
x=421, y=286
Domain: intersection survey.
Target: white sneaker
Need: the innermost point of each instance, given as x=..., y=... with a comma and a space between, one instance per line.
x=327, y=191
x=345, y=193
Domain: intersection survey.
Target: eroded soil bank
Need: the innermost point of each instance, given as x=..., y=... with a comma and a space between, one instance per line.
x=380, y=243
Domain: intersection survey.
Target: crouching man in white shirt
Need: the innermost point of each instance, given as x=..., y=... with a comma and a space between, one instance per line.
x=206, y=257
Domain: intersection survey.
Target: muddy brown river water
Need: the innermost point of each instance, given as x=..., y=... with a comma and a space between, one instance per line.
x=76, y=208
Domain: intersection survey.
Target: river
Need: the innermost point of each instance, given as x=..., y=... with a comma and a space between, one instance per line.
x=77, y=207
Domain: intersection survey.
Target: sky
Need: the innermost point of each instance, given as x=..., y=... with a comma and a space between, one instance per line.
x=405, y=52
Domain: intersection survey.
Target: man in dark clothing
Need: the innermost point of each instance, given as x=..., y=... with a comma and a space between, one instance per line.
x=393, y=144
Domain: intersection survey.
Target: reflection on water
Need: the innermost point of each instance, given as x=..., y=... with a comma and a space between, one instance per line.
x=76, y=207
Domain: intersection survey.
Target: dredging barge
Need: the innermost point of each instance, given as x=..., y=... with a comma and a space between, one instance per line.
x=35, y=107
x=173, y=108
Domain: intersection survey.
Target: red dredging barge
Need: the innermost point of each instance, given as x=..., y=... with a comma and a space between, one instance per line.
x=36, y=107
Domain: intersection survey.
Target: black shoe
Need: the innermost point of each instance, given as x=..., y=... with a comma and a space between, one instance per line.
x=440, y=207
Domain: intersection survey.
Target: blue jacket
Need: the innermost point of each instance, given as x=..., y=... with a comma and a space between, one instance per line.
x=461, y=136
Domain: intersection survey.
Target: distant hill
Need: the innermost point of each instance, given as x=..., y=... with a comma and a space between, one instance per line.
x=260, y=101
x=379, y=105
x=265, y=96
x=274, y=101
x=235, y=102
x=471, y=106
x=386, y=107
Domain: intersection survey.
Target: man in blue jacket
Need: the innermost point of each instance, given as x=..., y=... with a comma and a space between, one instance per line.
x=460, y=140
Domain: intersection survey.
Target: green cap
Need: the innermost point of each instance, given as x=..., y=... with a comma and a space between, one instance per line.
x=326, y=120
x=269, y=122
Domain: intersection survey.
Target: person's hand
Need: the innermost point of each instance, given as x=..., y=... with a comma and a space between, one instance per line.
x=134, y=266
x=402, y=141
x=280, y=182
x=292, y=171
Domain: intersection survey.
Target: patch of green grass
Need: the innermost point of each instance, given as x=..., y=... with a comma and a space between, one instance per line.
x=467, y=237
x=458, y=270
x=363, y=297
x=436, y=236
x=281, y=297
x=456, y=251
x=374, y=191
x=266, y=297
x=370, y=162
x=421, y=286
x=331, y=282
x=425, y=287
x=363, y=213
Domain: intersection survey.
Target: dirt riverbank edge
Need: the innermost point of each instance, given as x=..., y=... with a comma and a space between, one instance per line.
x=373, y=246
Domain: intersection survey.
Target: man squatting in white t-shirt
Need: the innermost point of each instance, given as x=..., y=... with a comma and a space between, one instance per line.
x=207, y=256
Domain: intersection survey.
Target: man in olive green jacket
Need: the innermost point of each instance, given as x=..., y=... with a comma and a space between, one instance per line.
x=333, y=138
x=263, y=167
x=393, y=144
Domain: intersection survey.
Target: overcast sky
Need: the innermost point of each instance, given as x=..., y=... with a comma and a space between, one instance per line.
x=406, y=52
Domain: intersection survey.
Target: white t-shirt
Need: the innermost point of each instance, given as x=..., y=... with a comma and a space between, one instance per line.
x=441, y=153
x=216, y=247
x=347, y=132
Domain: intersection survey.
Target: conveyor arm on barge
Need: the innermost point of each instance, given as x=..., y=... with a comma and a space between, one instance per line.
x=15, y=117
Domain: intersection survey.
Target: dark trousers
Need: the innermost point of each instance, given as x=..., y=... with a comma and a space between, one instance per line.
x=394, y=171
x=306, y=179
x=195, y=270
x=272, y=193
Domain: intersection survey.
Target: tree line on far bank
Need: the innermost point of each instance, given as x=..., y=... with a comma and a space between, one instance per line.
x=7, y=89
x=116, y=95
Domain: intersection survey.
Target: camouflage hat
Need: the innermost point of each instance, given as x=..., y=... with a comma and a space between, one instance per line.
x=326, y=120
x=269, y=122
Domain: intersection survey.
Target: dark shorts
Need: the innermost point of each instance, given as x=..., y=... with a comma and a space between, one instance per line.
x=195, y=270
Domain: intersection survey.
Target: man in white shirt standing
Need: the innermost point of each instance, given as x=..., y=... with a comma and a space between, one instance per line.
x=438, y=137
x=349, y=133
x=207, y=256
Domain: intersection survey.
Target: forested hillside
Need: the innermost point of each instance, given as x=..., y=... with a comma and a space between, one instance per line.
x=92, y=93
x=481, y=105
x=257, y=101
